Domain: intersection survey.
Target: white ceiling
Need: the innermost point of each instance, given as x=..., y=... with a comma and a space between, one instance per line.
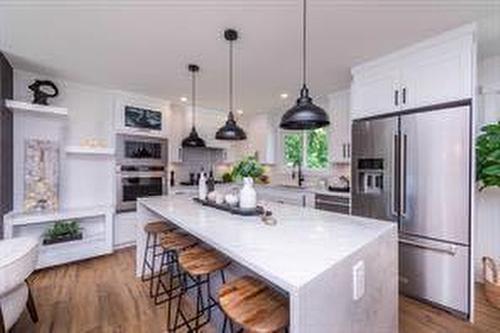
x=144, y=46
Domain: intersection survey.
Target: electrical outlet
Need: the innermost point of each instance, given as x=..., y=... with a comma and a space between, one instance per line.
x=358, y=280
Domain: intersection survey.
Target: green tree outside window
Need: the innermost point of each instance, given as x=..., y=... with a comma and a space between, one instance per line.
x=313, y=142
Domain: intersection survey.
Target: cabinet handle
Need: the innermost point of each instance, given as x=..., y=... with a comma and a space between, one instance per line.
x=343, y=150
x=396, y=97
x=348, y=150
x=404, y=95
x=179, y=154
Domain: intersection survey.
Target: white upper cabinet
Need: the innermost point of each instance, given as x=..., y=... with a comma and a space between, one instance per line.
x=177, y=131
x=340, y=128
x=438, y=70
x=375, y=91
x=262, y=138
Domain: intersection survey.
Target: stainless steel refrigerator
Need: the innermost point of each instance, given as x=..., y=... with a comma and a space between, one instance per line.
x=414, y=169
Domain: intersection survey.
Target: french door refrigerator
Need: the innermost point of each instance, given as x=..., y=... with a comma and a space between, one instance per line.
x=415, y=169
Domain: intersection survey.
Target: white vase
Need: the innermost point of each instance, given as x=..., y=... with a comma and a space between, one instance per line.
x=248, y=196
x=202, y=187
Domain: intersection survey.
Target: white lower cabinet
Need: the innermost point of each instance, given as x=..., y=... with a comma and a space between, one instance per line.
x=289, y=197
x=435, y=71
x=125, y=229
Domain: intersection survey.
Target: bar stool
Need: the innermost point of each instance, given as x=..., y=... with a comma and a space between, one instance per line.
x=254, y=306
x=172, y=243
x=153, y=230
x=198, y=264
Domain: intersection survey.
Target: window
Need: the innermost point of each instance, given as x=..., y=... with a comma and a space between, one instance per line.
x=309, y=147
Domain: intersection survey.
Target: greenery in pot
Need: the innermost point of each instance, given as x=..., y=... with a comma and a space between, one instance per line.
x=488, y=156
x=247, y=167
x=63, y=232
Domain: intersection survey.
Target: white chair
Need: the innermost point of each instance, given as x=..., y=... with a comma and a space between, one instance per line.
x=18, y=259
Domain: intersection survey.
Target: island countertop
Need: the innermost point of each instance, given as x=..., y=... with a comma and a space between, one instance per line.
x=336, y=269
x=282, y=253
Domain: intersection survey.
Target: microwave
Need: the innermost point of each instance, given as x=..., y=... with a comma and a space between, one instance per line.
x=139, y=150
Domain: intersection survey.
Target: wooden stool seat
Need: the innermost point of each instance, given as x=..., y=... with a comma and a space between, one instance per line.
x=254, y=305
x=175, y=241
x=199, y=261
x=157, y=227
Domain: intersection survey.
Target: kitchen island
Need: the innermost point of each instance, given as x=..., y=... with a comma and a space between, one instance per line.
x=339, y=271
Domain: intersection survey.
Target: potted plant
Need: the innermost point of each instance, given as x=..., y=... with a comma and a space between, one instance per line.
x=488, y=176
x=62, y=232
x=248, y=169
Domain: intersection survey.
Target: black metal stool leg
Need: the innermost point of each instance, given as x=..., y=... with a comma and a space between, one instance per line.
x=153, y=259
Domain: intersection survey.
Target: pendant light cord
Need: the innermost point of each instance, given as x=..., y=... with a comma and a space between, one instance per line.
x=304, y=42
x=231, y=79
x=193, y=98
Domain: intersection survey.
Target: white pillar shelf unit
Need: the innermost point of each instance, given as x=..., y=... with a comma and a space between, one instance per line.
x=36, y=108
x=96, y=224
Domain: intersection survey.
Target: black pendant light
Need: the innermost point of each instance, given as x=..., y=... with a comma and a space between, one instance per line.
x=230, y=130
x=304, y=114
x=193, y=139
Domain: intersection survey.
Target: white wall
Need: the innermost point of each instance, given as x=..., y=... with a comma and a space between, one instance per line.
x=86, y=180
x=487, y=230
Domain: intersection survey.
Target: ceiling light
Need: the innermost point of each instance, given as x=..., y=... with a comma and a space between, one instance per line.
x=239, y=111
x=304, y=114
x=283, y=95
x=184, y=99
x=193, y=139
x=230, y=131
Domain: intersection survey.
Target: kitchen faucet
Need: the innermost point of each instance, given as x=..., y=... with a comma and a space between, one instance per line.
x=300, y=175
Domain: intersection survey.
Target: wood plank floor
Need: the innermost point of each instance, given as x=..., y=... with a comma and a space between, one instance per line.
x=103, y=295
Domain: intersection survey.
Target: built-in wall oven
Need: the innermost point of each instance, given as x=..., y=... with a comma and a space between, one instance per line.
x=141, y=169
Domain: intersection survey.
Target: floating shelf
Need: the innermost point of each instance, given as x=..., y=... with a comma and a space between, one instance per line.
x=89, y=150
x=40, y=109
x=19, y=218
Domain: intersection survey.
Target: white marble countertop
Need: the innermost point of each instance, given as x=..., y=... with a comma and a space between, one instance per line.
x=303, y=244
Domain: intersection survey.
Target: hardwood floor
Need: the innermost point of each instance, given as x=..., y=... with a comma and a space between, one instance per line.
x=103, y=295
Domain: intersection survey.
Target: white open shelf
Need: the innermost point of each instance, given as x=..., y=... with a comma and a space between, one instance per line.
x=20, y=218
x=40, y=109
x=82, y=150
x=96, y=222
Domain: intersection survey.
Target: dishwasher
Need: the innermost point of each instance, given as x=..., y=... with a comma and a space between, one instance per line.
x=333, y=203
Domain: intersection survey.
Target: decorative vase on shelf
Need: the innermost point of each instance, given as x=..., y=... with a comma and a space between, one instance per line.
x=248, y=196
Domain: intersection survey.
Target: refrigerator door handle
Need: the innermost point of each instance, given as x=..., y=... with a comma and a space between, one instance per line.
x=395, y=150
x=402, y=173
x=451, y=249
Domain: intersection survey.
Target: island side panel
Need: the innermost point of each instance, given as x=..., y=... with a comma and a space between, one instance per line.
x=144, y=216
x=326, y=305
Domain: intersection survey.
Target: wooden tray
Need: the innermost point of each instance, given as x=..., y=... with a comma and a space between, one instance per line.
x=232, y=209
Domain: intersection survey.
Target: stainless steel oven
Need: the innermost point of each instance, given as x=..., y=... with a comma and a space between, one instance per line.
x=141, y=170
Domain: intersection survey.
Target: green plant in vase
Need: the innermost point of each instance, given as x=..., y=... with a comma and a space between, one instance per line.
x=63, y=232
x=488, y=156
x=247, y=167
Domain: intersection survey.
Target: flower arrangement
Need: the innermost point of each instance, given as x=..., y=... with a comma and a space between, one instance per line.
x=247, y=167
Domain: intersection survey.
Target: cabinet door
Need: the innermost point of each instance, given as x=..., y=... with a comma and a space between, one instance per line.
x=439, y=74
x=262, y=138
x=375, y=93
x=177, y=129
x=339, y=109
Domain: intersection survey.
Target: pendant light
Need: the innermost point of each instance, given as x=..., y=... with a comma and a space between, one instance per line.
x=304, y=114
x=230, y=130
x=193, y=140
